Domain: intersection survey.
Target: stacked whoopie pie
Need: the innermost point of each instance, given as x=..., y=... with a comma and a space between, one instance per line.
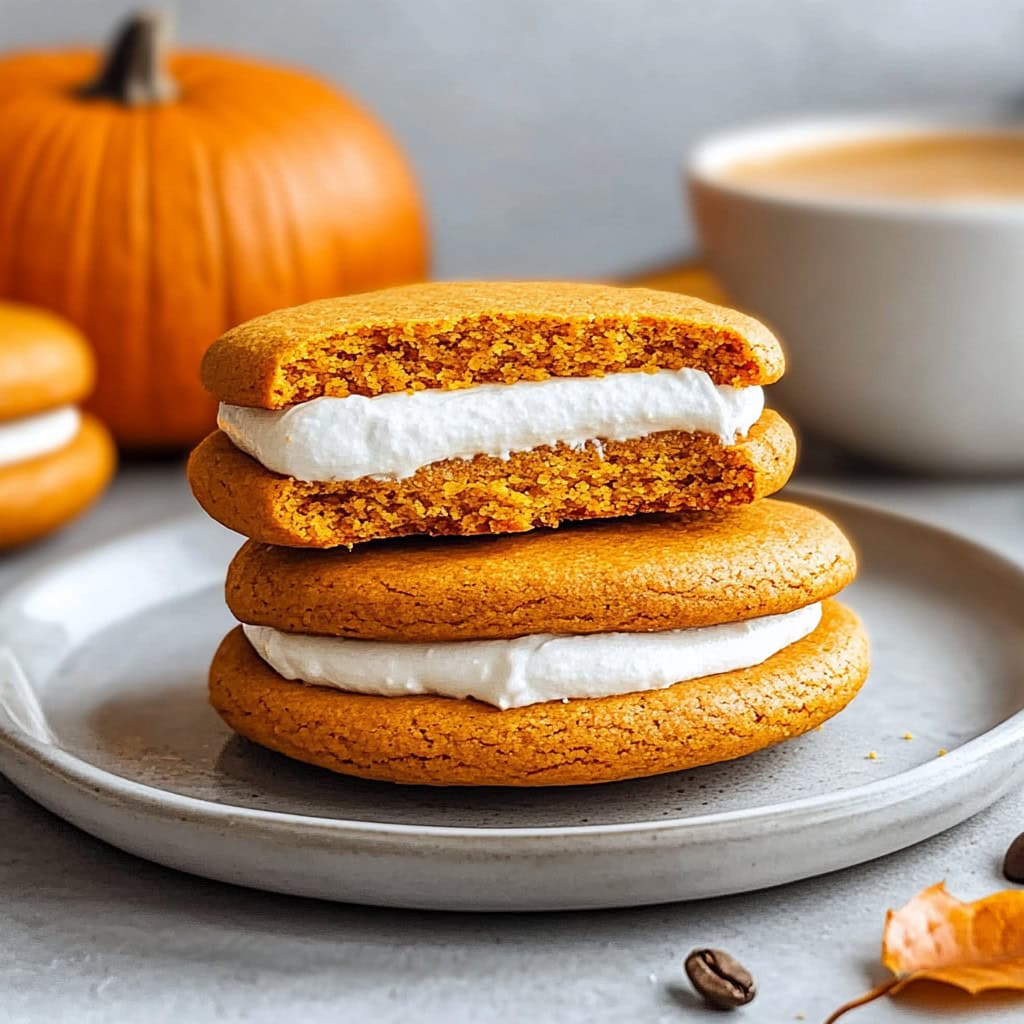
x=400, y=461
x=55, y=460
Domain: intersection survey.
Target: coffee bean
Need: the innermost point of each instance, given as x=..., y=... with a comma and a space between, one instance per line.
x=1013, y=863
x=721, y=979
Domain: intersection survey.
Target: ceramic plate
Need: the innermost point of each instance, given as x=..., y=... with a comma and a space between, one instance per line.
x=103, y=720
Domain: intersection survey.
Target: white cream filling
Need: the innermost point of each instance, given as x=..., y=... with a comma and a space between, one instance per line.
x=392, y=436
x=31, y=436
x=531, y=669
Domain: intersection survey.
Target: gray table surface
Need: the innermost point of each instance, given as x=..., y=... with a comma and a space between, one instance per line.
x=89, y=934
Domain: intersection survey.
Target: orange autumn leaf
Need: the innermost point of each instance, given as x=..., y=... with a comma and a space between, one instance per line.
x=936, y=937
x=975, y=946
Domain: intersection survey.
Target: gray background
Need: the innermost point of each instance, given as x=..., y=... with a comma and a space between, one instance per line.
x=548, y=133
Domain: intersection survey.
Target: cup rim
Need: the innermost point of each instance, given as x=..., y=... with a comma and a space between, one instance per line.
x=714, y=153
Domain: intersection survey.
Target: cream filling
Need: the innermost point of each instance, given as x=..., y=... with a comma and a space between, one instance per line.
x=392, y=436
x=31, y=436
x=531, y=669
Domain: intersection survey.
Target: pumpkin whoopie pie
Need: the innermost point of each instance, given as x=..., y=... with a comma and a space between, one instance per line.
x=474, y=408
x=600, y=651
x=54, y=459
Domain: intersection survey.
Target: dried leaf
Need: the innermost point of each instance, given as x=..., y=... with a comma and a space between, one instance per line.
x=975, y=946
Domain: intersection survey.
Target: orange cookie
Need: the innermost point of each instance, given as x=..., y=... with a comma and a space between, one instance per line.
x=475, y=408
x=54, y=460
x=443, y=741
x=631, y=575
x=665, y=472
x=44, y=362
x=459, y=334
x=39, y=495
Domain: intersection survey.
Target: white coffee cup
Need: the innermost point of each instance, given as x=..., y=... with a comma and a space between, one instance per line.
x=903, y=319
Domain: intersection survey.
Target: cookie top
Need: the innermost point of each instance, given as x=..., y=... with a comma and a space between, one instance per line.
x=457, y=334
x=40, y=495
x=44, y=362
x=627, y=575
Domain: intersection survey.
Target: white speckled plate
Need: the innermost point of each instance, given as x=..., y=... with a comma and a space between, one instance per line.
x=103, y=719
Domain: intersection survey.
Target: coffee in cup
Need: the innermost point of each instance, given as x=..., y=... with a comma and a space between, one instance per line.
x=930, y=168
x=889, y=255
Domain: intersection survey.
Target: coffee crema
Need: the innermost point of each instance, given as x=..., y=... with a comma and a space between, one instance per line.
x=962, y=167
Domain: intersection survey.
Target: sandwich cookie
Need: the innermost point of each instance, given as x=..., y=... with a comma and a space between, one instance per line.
x=465, y=408
x=607, y=650
x=54, y=459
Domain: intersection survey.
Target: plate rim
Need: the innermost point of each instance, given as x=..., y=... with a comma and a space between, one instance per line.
x=75, y=771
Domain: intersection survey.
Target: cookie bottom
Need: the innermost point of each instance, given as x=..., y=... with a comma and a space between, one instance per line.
x=671, y=471
x=40, y=495
x=439, y=741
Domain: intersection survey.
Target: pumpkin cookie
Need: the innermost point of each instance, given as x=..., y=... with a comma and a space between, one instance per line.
x=44, y=362
x=600, y=651
x=613, y=648
x=474, y=408
x=665, y=472
x=54, y=460
x=464, y=333
x=37, y=496
x=443, y=741
x=631, y=575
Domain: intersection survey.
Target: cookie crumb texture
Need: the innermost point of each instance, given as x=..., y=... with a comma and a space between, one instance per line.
x=444, y=742
x=665, y=472
x=457, y=334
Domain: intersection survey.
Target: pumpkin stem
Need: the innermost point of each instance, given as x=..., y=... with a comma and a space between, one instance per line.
x=133, y=72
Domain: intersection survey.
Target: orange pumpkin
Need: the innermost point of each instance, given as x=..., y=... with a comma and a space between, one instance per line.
x=155, y=205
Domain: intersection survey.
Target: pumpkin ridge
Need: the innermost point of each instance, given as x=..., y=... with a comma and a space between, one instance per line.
x=151, y=362
x=285, y=225
x=76, y=298
x=19, y=208
x=37, y=205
